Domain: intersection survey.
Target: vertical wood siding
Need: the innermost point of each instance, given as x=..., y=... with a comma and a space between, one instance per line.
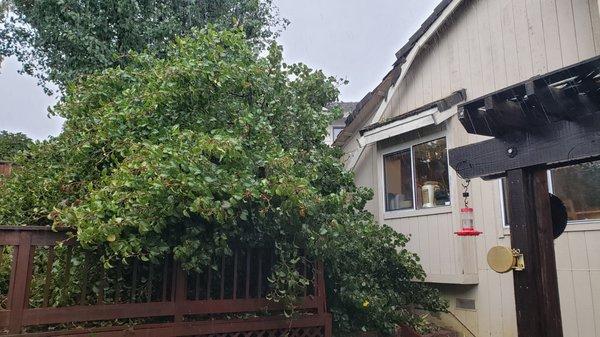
x=485, y=46
x=489, y=44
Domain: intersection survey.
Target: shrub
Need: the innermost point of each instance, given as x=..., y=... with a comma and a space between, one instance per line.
x=213, y=144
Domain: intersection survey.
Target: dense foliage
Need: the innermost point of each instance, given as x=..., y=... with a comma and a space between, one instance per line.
x=59, y=40
x=209, y=146
x=12, y=143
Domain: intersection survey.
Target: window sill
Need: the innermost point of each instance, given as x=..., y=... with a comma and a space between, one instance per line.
x=418, y=212
x=572, y=227
x=467, y=279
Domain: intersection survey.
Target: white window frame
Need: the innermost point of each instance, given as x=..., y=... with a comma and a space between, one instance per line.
x=505, y=224
x=333, y=127
x=409, y=212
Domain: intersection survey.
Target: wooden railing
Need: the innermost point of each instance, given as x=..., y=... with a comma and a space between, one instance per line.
x=48, y=290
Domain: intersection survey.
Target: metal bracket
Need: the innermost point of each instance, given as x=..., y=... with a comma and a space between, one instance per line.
x=503, y=259
x=519, y=260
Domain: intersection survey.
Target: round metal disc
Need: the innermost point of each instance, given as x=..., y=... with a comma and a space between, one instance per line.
x=501, y=259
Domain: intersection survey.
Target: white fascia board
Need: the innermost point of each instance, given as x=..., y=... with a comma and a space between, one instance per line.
x=411, y=123
x=425, y=118
x=442, y=116
x=413, y=53
x=407, y=120
x=354, y=157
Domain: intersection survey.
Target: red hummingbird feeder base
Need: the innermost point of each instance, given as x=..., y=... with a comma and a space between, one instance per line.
x=468, y=232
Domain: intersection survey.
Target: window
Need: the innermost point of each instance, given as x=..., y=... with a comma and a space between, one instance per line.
x=577, y=186
x=417, y=177
x=398, y=181
x=431, y=173
x=336, y=131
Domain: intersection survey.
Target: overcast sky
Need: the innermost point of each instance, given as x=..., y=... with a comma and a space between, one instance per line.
x=351, y=39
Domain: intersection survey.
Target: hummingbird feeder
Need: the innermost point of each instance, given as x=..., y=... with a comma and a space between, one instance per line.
x=466, y=216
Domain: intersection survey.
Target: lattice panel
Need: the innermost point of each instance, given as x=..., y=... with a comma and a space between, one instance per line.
x=293, y=332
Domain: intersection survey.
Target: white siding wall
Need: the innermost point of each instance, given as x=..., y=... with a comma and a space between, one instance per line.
x=488, y=45
x=445, y=257
x=366, y=174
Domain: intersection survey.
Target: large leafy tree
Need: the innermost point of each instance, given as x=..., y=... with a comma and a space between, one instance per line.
x=4, y=6
x=12, y=143
x=59, y=40
x=213, y=144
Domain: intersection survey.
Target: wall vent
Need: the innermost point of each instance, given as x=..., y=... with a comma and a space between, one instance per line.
x=465, y=304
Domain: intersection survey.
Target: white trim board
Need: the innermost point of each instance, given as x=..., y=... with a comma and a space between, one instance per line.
x=423, y=119
x=413, y=54
x=352, y=160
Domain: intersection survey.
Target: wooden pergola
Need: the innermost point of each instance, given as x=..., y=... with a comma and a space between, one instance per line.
x=549, y=121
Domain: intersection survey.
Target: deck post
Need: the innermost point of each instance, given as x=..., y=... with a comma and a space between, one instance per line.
x=322, y=299
x=180, y=287
x=536, y=287
x=19, y=282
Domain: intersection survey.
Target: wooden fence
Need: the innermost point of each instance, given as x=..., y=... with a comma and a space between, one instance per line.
x=47, y=290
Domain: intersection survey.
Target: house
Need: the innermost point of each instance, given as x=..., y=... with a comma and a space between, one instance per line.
x=397, y=137
x=338, y=125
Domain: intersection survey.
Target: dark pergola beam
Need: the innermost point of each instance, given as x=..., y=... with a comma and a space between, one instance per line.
x=550, y=100
x=503, y=113
x=554, y=145
x=567, y=93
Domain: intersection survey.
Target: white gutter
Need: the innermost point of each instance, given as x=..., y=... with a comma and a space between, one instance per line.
x=413, y=54
x=353, y=159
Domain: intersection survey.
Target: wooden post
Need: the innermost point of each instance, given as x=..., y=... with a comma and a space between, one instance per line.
x=180, y=290
x=20, y=280
x=321, y=294
x=320, y=287
x=536, y=287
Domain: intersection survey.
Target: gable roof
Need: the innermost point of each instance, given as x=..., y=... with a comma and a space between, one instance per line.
x=437, y=12
x=366, y=108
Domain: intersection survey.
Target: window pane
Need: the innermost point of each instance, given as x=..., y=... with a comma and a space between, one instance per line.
x=336, y=131
x=431, y=174
x=579, y=188
x=398, y=181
